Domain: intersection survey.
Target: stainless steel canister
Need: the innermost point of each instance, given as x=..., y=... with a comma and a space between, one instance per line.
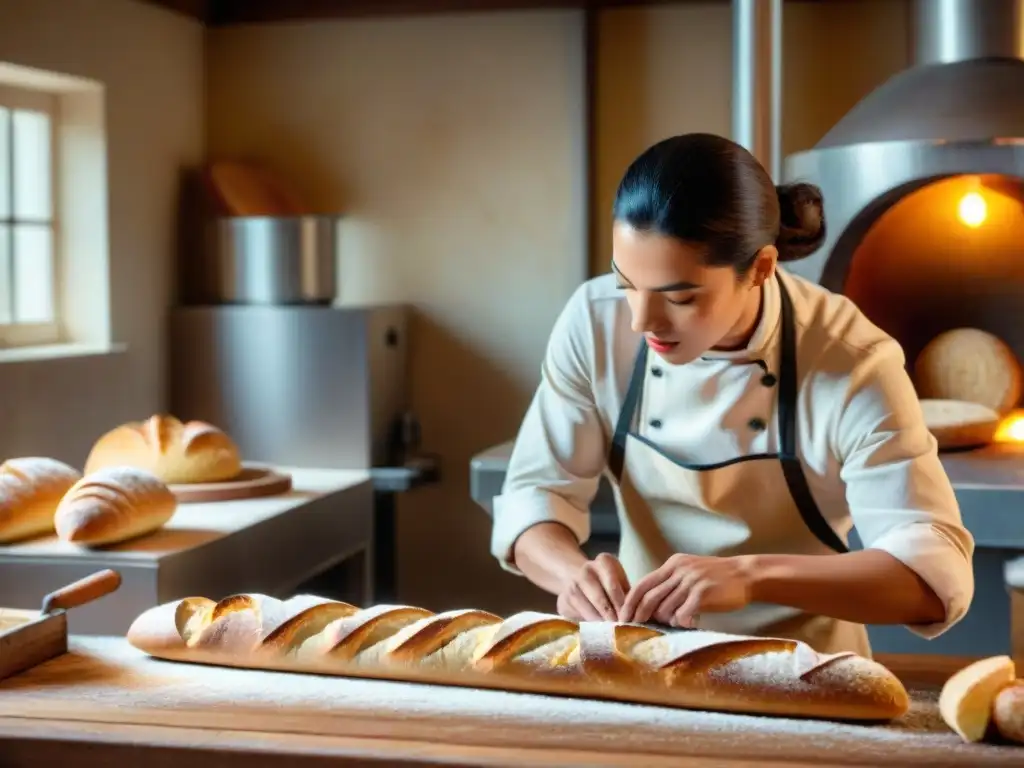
x=274, y=260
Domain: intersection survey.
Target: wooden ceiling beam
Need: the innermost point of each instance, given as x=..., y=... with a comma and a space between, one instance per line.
x=230, y=12
x=196, y=9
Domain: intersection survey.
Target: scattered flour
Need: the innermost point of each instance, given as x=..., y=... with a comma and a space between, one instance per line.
x=110, y=675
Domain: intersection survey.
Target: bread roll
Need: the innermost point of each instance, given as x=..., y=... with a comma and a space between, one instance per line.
x=959, y=424
x=970, y=365
x=1008, y=712
x=193, y=452
x=30, y=490
x=113, y=504
x=967, y=698
x=528, y=652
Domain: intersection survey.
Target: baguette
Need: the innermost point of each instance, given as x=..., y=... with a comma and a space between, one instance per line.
x=30, y=490
x=175, y=452
x=527, y=652
x=113, y=505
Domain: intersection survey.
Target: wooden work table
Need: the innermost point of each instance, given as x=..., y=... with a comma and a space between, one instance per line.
x=105, y=703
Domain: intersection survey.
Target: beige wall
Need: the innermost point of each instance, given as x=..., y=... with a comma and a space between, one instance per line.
x=151, y=62
x=451, y=144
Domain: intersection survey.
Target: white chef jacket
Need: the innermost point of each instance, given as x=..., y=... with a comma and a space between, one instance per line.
x=869, y=459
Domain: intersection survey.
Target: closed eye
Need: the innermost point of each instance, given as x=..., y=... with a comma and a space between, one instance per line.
x=682, y=302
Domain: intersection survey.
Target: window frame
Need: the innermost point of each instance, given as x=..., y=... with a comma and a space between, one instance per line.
x=30, y=334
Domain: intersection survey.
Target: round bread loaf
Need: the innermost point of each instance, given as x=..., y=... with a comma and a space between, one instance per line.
x=958, y=424
x=1008, y=712
x=172, y=451
x=970, y=365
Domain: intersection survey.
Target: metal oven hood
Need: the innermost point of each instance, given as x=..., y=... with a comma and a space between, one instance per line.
x=958, y=110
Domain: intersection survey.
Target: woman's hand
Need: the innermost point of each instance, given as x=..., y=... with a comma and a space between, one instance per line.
x=596, y=591
x=686, y=586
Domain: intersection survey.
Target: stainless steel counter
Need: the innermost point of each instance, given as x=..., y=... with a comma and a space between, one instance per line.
x=270, y=545
x=989, y=485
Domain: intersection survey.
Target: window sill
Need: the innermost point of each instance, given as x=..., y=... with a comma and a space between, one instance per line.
x=58, y=352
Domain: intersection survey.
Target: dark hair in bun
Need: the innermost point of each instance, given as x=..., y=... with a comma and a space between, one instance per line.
x=801, y=221
x=705, y=189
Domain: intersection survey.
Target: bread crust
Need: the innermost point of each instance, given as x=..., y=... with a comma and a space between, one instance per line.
x=174, y=452
x=113, y=505
x=31, y=488
x=526, y=652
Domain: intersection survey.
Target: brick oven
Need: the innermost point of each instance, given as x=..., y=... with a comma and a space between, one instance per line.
x=924, y=187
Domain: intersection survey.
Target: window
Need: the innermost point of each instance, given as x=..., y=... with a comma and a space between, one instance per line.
x=29, y=221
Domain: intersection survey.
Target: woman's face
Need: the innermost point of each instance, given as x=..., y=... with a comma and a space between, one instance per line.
x=682, y=306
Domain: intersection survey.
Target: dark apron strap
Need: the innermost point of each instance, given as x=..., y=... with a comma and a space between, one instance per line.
x=617, y=452
x=796, y=480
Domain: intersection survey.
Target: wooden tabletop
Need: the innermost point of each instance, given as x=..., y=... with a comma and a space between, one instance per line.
x=127, y=708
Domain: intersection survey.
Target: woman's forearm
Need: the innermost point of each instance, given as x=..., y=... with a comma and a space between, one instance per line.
x=548, y=555
x=866, y=587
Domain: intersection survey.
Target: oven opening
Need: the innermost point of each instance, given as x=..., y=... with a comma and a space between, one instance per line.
x=941, y=269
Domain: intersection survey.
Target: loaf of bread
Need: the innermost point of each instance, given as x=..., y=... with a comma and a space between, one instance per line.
x=30, y=490
x=966, y=701
x=176, y=453
x=527, y=652
x=1008, y=711
x=960, y=424
x=971, y=365
x=112, y=505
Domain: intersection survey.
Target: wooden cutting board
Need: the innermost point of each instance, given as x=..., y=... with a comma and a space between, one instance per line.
x=252, y=483
x=28, y=638
x=104, y=680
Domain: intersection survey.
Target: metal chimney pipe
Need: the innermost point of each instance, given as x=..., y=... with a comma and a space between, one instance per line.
x=945, y=31
x=757, y=80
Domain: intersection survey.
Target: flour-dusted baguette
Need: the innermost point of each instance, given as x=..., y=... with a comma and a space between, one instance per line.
x=30, y=490
x=112, y=505
x=175, y=452
x=526, y=652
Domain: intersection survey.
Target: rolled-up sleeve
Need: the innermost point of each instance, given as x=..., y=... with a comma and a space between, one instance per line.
x=559, y=453
x=900, y=498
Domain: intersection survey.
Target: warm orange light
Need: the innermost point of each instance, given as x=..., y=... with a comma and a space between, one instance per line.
x=972, y=210
x=1011, y=429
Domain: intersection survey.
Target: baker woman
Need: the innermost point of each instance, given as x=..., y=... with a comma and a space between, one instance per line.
x=748, y=419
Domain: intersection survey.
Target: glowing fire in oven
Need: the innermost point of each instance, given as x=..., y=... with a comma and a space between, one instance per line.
x=972, y=210
x=1011, y=428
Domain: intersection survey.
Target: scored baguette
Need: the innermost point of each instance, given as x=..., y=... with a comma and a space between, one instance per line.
x=526, y=652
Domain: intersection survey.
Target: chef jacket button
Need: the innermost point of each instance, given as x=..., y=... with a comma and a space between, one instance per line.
x=656, y=371
x=769, y=380
x=756, y=424
x=656, y=423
